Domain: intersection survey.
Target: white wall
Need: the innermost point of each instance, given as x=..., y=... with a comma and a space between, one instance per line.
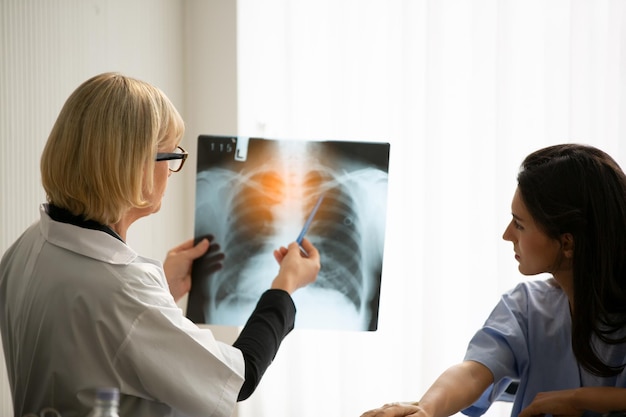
x=48, y=49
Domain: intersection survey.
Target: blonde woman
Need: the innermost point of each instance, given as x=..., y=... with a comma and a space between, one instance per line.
x=81, y=309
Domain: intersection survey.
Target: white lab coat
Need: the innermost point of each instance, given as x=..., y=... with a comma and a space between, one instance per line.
x=79, y=309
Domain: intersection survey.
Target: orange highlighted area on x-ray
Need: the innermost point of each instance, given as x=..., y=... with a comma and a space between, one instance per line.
x=254, y=195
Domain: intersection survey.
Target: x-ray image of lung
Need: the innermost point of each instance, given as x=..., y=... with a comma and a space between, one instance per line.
x=254, y=195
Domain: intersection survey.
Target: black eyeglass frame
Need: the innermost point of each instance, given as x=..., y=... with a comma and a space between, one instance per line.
x=168, y=156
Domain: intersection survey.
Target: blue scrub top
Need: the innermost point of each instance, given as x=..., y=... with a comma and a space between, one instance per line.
x=527, y=338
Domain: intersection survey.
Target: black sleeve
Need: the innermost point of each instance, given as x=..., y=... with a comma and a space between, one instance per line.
x=272, y=320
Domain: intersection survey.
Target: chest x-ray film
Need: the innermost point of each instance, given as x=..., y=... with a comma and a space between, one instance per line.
x=254, y=195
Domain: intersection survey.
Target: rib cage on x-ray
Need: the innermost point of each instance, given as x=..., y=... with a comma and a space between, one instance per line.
x=253, y=208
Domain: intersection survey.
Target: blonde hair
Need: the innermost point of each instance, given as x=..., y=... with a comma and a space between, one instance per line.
x=105, y=138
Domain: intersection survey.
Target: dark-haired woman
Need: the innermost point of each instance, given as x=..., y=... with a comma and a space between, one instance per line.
x=562, y=340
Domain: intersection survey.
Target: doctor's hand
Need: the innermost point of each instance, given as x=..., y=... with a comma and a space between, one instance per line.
x=403, y=409
x=178, y=262
x=296, y=270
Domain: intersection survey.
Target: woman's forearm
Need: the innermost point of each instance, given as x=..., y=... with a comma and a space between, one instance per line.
x=456, y=389
x=600, y=399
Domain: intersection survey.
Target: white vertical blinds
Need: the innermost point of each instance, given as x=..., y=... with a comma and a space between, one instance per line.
x=463, y=91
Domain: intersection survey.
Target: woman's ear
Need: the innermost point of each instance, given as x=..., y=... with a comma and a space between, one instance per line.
x=567, y=245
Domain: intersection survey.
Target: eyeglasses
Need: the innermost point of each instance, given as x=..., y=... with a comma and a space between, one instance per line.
x=175, y=160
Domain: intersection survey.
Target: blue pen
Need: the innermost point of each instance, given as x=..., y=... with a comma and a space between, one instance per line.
x=307, y=224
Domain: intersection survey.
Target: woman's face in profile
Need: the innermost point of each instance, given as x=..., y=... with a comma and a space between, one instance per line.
x=535, y=251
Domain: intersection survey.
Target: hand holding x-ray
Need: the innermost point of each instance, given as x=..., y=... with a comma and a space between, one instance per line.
x=296, y=271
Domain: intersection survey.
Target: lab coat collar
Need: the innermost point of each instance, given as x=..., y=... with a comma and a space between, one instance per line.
x=95, y=244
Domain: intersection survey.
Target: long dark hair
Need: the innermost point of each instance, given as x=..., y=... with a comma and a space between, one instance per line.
x=581, y=190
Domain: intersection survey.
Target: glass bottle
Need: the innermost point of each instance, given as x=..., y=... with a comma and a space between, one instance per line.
x=107, y=401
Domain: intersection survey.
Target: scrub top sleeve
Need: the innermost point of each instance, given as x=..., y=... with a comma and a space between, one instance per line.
x=270, y=322
x=501, y=345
